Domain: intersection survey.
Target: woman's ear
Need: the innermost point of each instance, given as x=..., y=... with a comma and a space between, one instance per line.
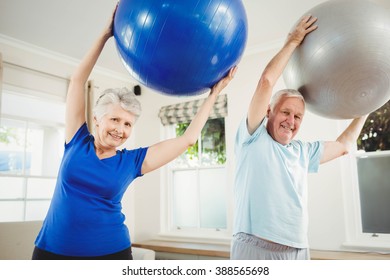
x=95, y=121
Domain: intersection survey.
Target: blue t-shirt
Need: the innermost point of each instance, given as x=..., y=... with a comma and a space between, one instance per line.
x=85, y=216
x=271, y=186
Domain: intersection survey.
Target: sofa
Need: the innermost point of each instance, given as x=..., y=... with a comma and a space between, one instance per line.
x=17, y=241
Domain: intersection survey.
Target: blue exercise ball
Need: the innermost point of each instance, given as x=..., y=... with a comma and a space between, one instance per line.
x=180, y=47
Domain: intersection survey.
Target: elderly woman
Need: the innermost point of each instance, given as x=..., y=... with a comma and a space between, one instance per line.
x=85, y=219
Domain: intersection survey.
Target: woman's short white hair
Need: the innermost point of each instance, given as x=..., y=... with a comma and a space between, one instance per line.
x=284, y=93
x=122, y=96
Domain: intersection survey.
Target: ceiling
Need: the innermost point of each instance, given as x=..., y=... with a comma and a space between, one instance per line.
x=70, y=27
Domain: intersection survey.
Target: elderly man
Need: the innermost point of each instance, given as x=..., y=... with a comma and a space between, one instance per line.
x=271, y=177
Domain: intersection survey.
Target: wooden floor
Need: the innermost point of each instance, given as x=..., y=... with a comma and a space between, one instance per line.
x=223, y=251
x=209, y=250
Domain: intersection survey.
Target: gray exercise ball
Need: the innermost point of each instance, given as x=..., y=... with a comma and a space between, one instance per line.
x=343, y=68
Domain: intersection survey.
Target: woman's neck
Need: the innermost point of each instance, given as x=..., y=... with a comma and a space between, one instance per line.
x=103, y=153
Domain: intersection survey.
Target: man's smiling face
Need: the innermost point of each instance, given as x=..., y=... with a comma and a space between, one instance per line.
x=285, y=119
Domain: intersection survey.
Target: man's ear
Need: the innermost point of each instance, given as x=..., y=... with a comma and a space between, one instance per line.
x=268, y=111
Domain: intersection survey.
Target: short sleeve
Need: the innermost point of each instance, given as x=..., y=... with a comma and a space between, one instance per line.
x=243, y=137
x=136, y=157
x=315, y=151
x=80, y=134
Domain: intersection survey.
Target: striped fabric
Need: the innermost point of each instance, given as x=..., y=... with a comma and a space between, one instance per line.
x=185, y=112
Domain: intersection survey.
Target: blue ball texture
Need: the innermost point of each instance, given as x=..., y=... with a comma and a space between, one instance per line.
x=180, y=47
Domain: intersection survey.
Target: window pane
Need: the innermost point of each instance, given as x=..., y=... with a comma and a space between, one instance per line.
x=40, y=188
x=375, y=135
x=45, y=145
x=36, y=210
x=213, y=142
x=212, y=147
x=11, y=211
x=12, y=142
x=11, y=188
x=199, y=194
x=34, y=147
x=212, y=198
x=374, y=188
x=185, y=200
x=190, y=157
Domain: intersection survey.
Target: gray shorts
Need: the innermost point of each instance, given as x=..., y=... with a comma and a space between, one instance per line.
x=248, y=247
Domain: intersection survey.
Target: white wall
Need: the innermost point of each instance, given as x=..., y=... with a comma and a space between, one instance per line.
x=141, y=204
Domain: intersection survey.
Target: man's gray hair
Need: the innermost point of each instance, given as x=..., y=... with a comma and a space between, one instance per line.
x=284, y=93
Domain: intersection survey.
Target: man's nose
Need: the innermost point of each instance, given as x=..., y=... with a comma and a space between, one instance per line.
x=291, y=119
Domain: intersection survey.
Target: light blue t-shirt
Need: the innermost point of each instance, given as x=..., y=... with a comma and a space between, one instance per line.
x=271, y=186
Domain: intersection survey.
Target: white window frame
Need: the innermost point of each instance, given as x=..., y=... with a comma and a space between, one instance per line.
x=356, y=239
x=24, y=199
x=12, y=90
x=167, y=229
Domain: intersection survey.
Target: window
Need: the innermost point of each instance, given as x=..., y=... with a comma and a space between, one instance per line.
x=195, y=187
x=198, y=181
x=209, y=150
x=375, y=135
x=371, y=189
x=373, y=175
x=374, y=192
x=31, y=147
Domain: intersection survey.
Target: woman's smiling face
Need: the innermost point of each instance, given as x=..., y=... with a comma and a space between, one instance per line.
x=115, y=127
